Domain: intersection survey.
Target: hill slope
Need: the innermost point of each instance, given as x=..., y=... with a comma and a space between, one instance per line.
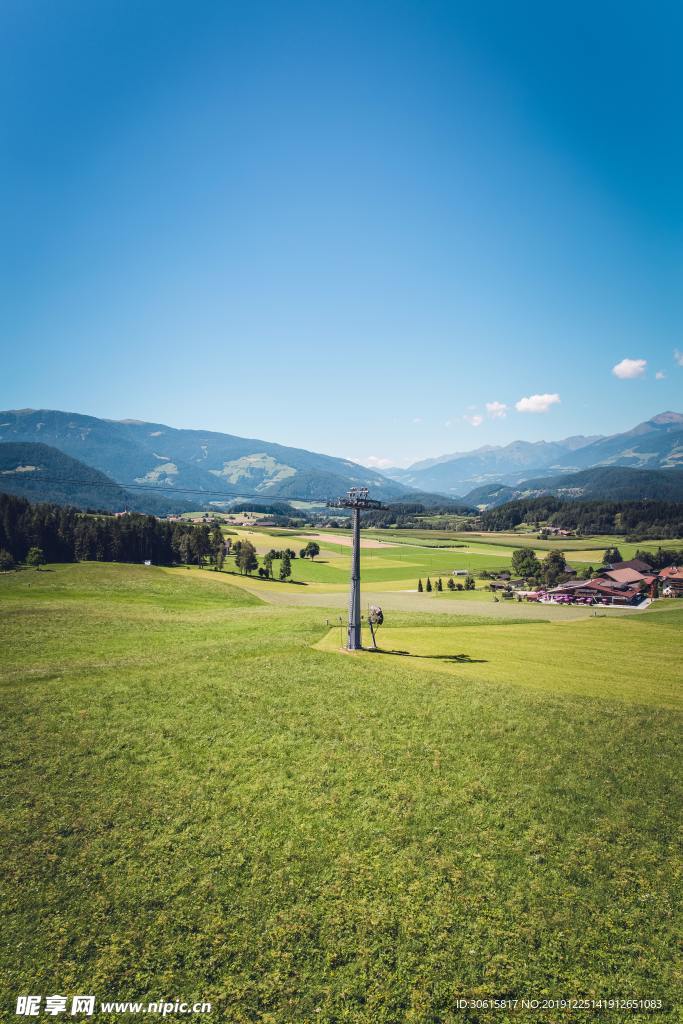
x=162, y=457
x=654, y=444
x=606, y=483
x=39, y=472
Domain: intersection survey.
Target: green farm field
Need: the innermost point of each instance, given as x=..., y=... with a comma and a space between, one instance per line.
x=204, y=799
x=580, y=549
x=395, y=560
x=387, y=566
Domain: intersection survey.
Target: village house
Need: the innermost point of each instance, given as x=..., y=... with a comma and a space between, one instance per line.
x=634, y=563
x=671, y=580
x=596, y=591
x=623, y=584
x=628, y=576
x=614, y=593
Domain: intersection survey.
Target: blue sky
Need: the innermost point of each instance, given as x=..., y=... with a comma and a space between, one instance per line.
x=383, y=230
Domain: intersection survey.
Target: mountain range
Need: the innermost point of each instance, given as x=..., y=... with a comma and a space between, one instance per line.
x=158, y=468
x=166, y=459
x=655, y=444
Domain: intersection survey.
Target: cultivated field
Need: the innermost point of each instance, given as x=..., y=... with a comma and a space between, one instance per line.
x=578, y=549
x=204, y=799
x=415, y=555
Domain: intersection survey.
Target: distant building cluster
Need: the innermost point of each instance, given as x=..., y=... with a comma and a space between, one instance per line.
x=619, y=583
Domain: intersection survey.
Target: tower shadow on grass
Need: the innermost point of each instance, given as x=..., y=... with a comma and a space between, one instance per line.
x=460, y=659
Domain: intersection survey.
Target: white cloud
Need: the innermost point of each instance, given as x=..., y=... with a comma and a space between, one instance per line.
x=371, y=461
x=678, y=357
x=418, y=419
x=629, y=369
x=448, y=423
x=474, y=421
x=496, y=410
x=660, y=375
x=536, y=403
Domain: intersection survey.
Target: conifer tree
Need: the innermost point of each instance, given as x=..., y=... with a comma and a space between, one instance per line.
x=428, y=588
x=439, y=585
x=285, y=566
x=420, y=588
x=451, y=583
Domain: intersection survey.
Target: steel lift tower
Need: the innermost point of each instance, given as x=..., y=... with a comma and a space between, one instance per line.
x=357, y=500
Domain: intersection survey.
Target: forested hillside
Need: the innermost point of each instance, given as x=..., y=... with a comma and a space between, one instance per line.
x=637, y=519
x=40, y=472
x=602, y=483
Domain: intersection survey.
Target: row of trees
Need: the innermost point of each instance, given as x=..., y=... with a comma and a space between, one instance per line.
x=408, y=515
x=246, y=560
x=547, y=573
x=469, y=584
x=658, y=559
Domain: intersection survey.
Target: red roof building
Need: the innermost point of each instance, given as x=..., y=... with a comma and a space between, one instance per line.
x=635, y=563
x=612, y=592
x=627, y=576
x=601, y=590
x=672, y=581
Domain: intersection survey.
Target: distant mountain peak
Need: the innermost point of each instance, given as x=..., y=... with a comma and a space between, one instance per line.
x=667, y=417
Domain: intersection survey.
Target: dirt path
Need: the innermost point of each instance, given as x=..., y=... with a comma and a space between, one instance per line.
x=347, y=542
x=402, y=602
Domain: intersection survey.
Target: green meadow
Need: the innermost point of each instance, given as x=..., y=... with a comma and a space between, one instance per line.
x=584, y=549
x=204, y=799
x=398, y=566
x=394, y=560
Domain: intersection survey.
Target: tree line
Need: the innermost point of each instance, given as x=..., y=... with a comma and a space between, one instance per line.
x=38, y=533
x=469, y=584
x=246, y=559
x=68, y=535
x=406, y=515
x=636, y=520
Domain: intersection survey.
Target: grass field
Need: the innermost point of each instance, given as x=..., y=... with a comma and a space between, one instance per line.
x=204, y=799
x=417, y=554
x=577, y=549
x=618, y=659
x=393, y=567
